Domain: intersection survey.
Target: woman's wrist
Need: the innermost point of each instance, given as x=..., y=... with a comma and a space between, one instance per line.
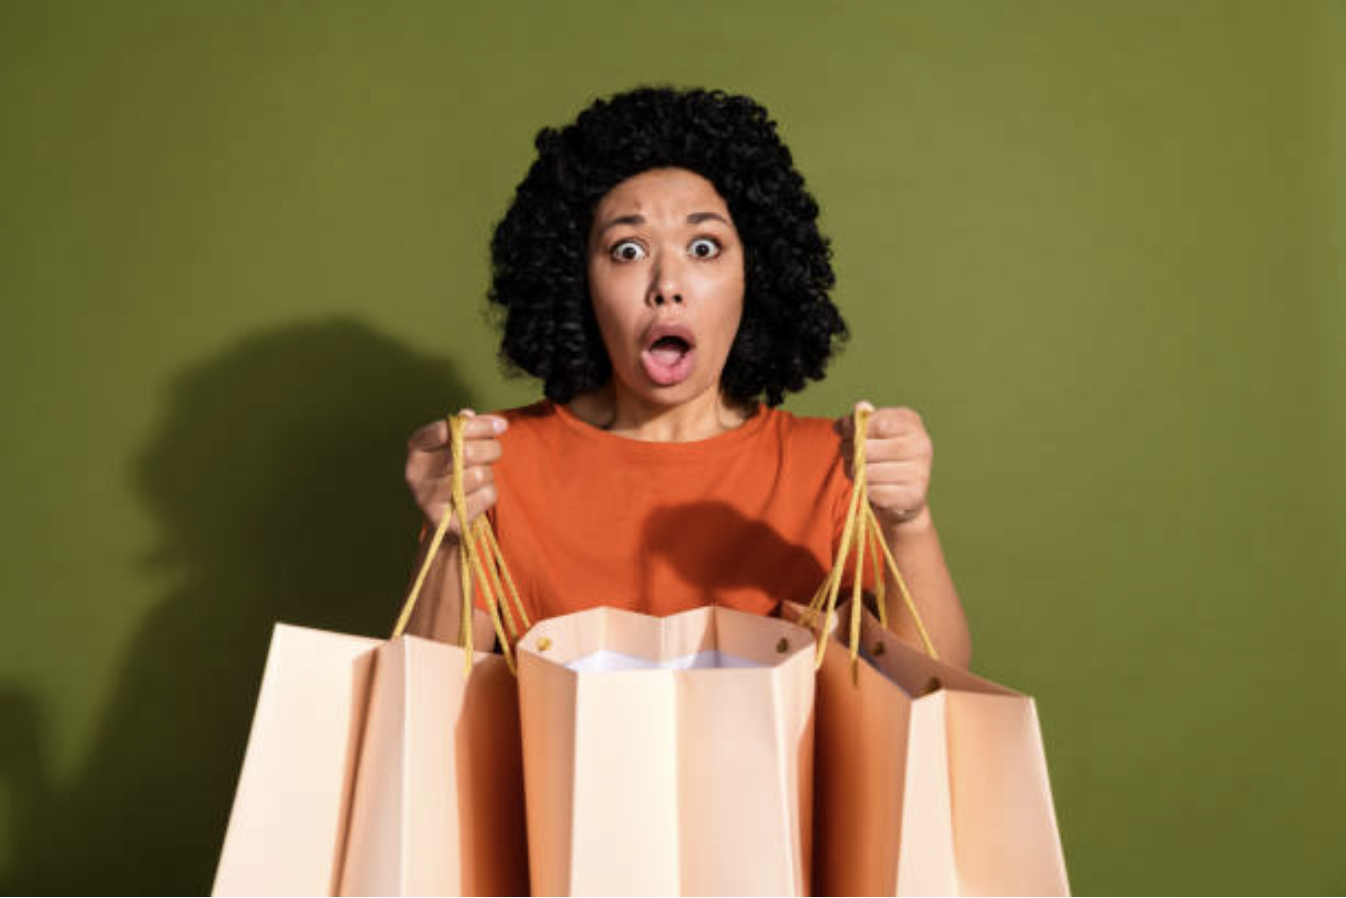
x=450, y=540
x=912, y=529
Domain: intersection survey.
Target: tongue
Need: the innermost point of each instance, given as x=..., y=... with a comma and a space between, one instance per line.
x=667, y=362
x=668, y=353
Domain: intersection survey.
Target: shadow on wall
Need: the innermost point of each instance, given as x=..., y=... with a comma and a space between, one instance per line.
x=276, y=481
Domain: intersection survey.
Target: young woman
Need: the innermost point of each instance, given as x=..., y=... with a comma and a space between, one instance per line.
x=661, y=271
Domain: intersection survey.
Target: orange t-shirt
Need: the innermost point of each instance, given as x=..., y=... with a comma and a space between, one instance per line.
x=743, y=520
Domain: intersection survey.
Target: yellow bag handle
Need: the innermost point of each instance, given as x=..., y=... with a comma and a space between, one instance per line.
x=861, y=528
x=478, y=554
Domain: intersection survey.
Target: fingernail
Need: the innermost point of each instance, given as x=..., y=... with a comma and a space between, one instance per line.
x=500, y=425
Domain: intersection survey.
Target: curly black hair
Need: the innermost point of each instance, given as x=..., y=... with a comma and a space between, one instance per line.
x=538, y=251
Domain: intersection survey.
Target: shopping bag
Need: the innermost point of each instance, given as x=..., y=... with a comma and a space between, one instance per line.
x=668, y=756
x=437, y=807
x=288, y=821
x=930, y=781
x=385, y=766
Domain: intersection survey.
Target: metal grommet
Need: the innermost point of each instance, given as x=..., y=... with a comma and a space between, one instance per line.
x=783, y=645
x=543, y=644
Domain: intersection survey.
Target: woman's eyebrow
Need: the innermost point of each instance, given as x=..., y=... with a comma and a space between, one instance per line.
x=694, y=218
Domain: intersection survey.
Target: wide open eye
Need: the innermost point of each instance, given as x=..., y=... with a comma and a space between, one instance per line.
x=704, y=248
x=627, y=251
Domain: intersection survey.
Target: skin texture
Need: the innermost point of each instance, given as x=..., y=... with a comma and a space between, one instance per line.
x=655, y=256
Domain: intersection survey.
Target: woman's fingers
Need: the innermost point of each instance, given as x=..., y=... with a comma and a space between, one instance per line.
x=435, y=492
x=897, y=498
x=440, y=503
x=476, y=453
x=913, y=453
x=880, y=473
x=478, y=502
x=898, y=458
x=477, y=478
x=482, y=426
x=429, y=438
x=428, y=452
x=480, y=451
x=473, y=479
x=916, y=445
x=884, y=422
x=429, y=467
x=887, y=472
x=434, y=436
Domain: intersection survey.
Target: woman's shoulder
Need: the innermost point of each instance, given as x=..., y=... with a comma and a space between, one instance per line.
x=530, y=415
x=528, y=422
x=805, y=430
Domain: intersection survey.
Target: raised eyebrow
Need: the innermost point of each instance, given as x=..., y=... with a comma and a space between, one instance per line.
x=623, y=220
x=698, y=217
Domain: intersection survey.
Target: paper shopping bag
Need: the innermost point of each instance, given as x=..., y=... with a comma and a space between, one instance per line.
x=667, y=755
x=377, y=768
x=930, y=781
x=384, y=766
x=287, y=827
x=438, y=798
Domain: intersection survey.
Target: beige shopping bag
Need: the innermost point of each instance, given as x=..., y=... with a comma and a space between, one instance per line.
x=438, y=801
x=288, y=822
x=668, y=756
x=384, y=766
x=930, y=781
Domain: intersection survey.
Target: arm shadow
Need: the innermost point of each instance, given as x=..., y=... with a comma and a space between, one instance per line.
x=275, y=478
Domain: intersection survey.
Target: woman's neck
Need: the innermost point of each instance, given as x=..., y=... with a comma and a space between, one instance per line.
x=622, y=413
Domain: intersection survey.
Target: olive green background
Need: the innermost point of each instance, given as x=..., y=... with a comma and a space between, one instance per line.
x=1100, y=247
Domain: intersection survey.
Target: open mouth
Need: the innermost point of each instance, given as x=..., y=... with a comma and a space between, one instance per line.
x=667, y=350
x=668, y=355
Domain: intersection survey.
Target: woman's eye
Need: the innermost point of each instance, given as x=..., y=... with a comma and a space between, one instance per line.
x=628, y=251
x=704, y=248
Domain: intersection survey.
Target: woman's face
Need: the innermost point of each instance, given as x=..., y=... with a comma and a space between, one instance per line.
x=666, y=279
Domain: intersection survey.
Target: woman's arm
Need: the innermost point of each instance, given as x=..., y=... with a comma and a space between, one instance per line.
x=899, y=455
x=916, y=549
x=437, y=610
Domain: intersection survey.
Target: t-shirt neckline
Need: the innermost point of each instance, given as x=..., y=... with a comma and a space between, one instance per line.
x=648, y=449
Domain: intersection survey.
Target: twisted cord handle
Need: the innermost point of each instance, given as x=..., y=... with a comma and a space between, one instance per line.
x=480, y=561
x=862, y=530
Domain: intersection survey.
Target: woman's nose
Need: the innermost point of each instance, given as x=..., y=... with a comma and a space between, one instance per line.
x=665, y=287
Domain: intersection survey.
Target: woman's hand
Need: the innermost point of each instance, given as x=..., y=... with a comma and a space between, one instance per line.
x=898, y=455
x=429, y=469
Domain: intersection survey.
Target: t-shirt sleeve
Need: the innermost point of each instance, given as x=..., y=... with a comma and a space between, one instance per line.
x=517, y=446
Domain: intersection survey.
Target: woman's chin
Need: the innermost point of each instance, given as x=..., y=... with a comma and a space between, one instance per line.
x=651, y=392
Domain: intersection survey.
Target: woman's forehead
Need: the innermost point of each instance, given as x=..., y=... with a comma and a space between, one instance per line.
x=661, y=191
